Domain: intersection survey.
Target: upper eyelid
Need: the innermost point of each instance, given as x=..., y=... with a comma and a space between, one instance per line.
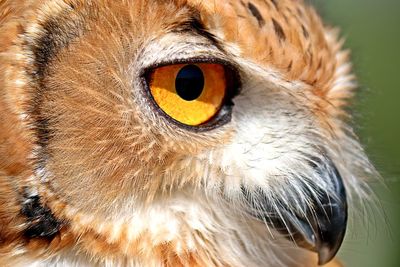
x=194, y=60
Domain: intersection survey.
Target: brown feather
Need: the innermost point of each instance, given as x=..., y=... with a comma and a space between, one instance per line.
x=58, y=61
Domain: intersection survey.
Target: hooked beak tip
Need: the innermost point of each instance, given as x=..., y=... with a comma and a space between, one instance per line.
x=325, y=254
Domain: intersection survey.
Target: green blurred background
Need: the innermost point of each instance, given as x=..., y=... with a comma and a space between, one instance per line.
x=372, y=31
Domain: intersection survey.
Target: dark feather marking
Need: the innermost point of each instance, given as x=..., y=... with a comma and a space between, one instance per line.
x=275, y=3
x=195, y=25
x=41, y=221
x=289, y=67
x=256, y=13
x=278, y=30
x=305, y=32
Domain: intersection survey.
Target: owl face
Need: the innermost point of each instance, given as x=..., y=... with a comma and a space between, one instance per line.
x=179, y=125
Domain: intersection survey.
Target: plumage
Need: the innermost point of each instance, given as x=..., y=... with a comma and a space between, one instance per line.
x=92, y=173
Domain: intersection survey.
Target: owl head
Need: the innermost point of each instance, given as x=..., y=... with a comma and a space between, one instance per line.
x=209, y=133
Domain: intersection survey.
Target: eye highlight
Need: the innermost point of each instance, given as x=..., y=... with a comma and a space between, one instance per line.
x=191, y=94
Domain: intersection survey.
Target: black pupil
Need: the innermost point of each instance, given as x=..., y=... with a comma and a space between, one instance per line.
x=189, y=83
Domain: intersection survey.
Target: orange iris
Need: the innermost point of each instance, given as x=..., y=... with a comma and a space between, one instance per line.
x=189, y=93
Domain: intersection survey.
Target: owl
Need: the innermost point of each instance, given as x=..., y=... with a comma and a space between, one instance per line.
x=174, y=133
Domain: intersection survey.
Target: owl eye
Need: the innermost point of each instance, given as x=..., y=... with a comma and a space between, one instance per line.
x=191, y=94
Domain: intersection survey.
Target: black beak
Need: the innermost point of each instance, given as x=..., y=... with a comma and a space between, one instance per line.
x=321, y=228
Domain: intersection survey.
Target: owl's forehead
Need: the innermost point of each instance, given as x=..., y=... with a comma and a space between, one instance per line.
x=284, y=35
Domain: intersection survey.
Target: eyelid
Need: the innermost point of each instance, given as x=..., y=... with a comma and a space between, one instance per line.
x=193, y=60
